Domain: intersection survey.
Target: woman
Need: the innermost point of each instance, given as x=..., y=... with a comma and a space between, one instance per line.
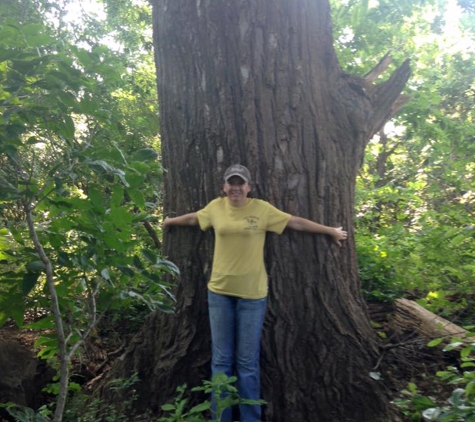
x=237, y=290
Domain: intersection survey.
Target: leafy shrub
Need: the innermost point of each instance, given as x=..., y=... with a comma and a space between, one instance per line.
x=460, y=406
x=221, y=387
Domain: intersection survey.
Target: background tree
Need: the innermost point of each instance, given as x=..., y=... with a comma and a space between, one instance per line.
x=415, y=203
x=75, y=197
x=260, y=84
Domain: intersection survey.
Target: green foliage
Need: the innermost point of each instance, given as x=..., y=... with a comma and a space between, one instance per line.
x=25, y=414
x=90, y=197
x=82, y=408
x=432, y=259
x=78, y=183
x=177, y=411
x=460, y=406
x=412, y=403
x=221, y=387
x=415, y=204
x=365, y=31
x=379, y=258
x=54, y=387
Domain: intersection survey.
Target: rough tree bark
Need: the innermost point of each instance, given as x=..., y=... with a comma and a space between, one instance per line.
x=258, y=82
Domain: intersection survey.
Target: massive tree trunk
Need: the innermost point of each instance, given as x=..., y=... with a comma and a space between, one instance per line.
x=257, y=82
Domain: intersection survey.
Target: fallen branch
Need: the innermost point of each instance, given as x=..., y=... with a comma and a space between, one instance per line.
x=409, y=315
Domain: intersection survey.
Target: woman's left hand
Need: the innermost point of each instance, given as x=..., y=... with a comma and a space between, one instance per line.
x=339, y=235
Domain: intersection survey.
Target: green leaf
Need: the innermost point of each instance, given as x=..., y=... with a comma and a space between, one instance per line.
x=136, y=295
x=29, y=281
x=117, y=196
x=151, y=256
x=138, y=263
x=46, y=323
x=40, y=40
x=457, y=240
x=121, y=175
x=68, y=99
x=168, y=407
x=137, y=197
x=457, y=396
x=375, y=375
x=121, y=217
x=7, y=54
x=164, y=307
x=12, y=305
x=140, y=167
x=470, y=389
x=7, y=190
x=89, y=105
x=36, y=266
x=85, y=57
x=146, y=154
x=169, y=266
x=423, y=402
x=74, y=386
x=12, y=152
x=32, y=29
x=105, y=274
x=135, y=180
x=453, y=346
x=50, y=348
x=465, y=352
x=65, y=128
x=126, y=270
x=96, y=199
x=435, y=342
x=431, y=414
x=63, y=259
x=202, y=407
x=113, y=242
x=99, y=165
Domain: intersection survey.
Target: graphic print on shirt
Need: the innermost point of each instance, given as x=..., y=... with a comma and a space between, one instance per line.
x=252, y=222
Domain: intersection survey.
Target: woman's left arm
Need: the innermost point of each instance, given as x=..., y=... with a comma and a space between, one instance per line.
x=304, y=225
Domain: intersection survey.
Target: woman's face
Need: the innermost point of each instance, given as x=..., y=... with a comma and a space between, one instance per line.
x=236, y=189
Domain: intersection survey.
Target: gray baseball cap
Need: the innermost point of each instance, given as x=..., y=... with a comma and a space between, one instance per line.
x=237, y=170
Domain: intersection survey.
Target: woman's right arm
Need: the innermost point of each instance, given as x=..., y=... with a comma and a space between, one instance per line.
x=190, y=219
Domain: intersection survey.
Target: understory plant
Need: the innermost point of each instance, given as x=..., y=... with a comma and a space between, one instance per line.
x=460, y=406
x=223, y=389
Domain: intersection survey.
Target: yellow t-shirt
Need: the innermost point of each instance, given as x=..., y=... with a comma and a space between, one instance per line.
x=238, y=263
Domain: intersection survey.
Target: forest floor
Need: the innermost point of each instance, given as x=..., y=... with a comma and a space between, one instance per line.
x=405, y=360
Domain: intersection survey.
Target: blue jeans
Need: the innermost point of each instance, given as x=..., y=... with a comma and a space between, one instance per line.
x=236, y=326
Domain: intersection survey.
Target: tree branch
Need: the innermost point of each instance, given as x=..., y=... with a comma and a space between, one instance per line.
x=63, y=357
x=401, y=101
x=153, y=234
x=387, y=98
x=379, y=69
